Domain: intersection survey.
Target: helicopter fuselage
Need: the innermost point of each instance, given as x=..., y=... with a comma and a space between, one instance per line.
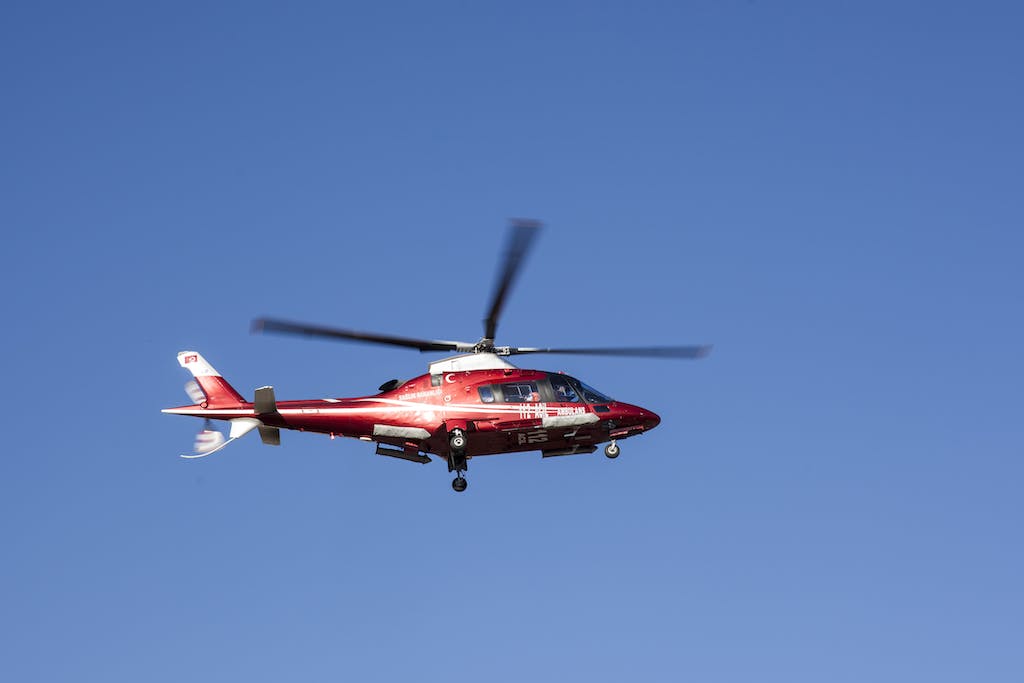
x=500, y=409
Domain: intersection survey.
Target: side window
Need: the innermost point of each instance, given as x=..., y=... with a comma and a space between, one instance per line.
x=520, y=392
x=564, y=393
x=486, y=394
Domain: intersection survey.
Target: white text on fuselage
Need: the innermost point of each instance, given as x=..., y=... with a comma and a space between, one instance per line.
x=412, y=396
x=536, y=436
x=529, y=411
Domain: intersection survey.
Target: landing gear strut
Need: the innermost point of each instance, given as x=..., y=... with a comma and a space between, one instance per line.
x=457, y=458
x=612, y=450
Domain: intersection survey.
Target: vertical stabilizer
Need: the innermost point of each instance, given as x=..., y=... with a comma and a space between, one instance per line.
x=216, y=389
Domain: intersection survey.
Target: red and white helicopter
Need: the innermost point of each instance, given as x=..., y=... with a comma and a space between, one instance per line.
x=472, y=404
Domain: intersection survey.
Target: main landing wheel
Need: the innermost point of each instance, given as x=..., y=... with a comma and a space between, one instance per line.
x=457, y=440
x=612, y=450
x=460, y=484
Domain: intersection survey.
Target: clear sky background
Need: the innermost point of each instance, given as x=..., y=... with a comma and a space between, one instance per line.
x=830, y=193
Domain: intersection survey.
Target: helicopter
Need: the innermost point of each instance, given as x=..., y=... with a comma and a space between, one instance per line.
x=472, y=404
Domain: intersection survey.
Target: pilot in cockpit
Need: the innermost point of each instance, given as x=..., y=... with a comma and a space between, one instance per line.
x=564, y=393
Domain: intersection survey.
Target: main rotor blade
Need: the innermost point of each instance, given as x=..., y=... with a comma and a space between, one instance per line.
x=680, y=352
x=520, y=238
x=286, y=327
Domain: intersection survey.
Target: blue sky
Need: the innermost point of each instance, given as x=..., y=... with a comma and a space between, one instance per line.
x=827, y=192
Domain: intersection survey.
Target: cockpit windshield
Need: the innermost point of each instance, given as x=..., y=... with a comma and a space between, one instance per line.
x=570, y=389
x=592, y=395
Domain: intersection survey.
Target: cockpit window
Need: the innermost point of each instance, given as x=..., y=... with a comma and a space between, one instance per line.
x=486, y=394
x=592, y=395
x=563, y=389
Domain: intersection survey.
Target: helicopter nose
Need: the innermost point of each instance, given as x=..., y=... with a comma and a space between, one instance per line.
x=650, y=420
x=640, y=417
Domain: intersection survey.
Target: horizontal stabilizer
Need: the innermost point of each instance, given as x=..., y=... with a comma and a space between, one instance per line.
x=265, y=401
x=271, y=436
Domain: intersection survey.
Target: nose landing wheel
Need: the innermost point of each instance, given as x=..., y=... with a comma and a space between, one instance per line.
x=612, y=450
x=459, y=483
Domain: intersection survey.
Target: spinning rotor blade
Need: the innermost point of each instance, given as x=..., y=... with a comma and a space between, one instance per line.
x=520, y=239
x=521, y=236
x=302, y=329
x=681, y=352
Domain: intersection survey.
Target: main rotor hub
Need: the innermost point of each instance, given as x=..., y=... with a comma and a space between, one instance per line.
x=485, y=345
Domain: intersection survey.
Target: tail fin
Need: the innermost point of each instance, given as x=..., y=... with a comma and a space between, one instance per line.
x=216, y=389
